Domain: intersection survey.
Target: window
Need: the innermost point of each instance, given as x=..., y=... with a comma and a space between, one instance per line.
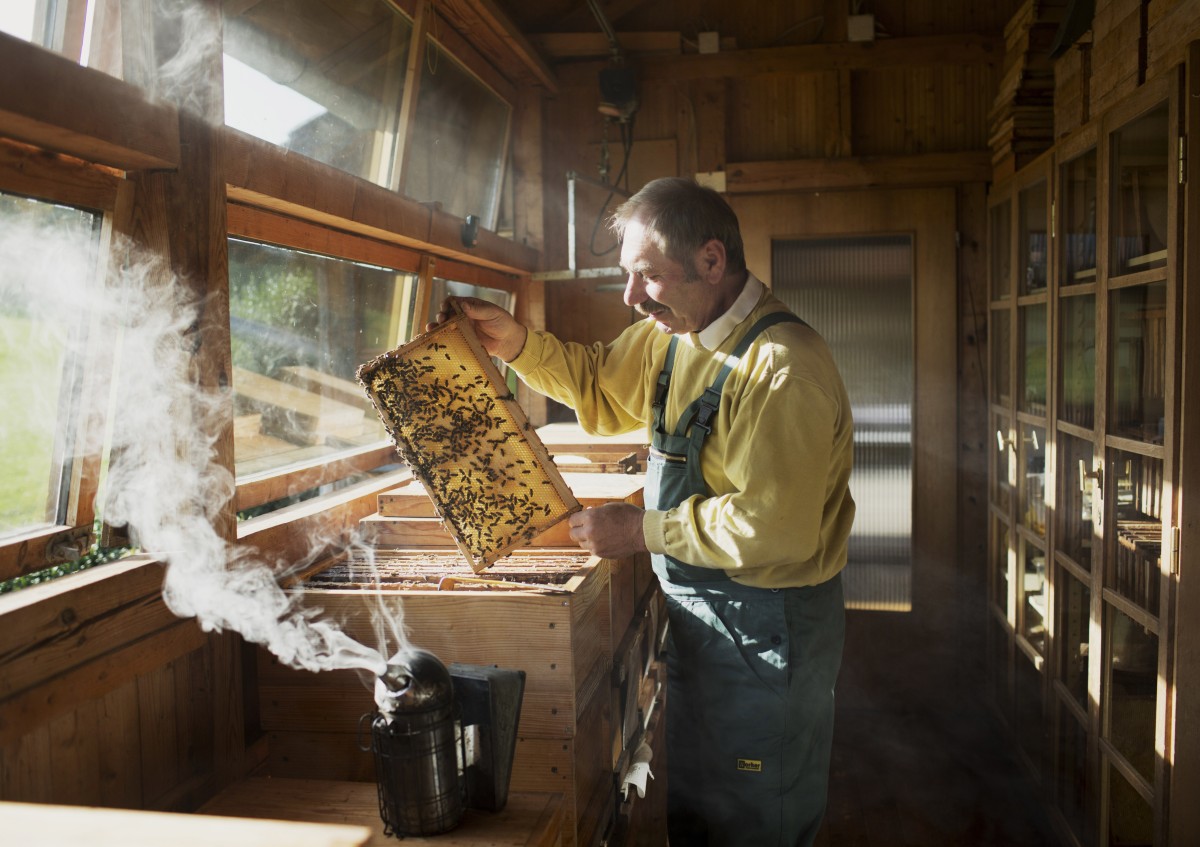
x=460, y=136
x=301, y=324
x=335, y=83
x=41, y=352
x=326, y=81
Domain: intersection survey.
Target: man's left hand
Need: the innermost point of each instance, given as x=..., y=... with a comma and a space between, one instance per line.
x=612, y=530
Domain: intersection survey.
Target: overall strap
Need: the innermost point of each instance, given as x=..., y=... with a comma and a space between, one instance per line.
x=700, y=414
x=664, y=385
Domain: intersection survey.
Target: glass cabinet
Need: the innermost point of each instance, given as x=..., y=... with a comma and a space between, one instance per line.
x=1083, y=298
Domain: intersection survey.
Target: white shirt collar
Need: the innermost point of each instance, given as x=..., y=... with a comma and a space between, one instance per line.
x=712, y=336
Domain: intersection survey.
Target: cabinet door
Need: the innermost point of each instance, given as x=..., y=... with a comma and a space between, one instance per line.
x=1114, y=297
x=1020, y=402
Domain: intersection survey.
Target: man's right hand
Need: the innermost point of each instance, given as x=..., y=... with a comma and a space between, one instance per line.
x=498, y=331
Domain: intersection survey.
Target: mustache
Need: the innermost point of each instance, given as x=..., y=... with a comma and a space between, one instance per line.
x=648, y=307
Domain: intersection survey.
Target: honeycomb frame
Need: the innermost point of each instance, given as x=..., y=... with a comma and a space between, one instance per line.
x=468, y=441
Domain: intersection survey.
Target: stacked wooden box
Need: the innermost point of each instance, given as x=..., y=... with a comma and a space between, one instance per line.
x=584, y=629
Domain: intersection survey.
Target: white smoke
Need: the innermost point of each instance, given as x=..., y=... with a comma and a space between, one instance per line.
x=163, y=480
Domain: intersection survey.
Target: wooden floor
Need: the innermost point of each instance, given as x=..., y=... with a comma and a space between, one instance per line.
x=917, y=767
x=906, y=779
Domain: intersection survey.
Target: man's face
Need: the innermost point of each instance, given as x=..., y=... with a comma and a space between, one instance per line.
x=662, y=288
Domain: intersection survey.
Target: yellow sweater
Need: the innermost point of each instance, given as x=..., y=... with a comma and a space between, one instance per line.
x=777, y=461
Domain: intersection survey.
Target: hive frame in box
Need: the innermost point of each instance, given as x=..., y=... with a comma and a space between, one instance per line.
x=465, y=437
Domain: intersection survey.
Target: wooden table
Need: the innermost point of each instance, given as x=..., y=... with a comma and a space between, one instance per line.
x=528, y=820
x=47, y=825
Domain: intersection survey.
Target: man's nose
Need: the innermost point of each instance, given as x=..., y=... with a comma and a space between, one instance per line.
x=635, y=289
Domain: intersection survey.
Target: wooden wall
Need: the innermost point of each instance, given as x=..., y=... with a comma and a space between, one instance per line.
x=108, y=699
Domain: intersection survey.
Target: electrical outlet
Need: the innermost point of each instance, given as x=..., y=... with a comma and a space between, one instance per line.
x=860, y=28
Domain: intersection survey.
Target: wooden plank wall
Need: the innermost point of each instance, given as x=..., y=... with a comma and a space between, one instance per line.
x=108, y=699
x=1129, y=43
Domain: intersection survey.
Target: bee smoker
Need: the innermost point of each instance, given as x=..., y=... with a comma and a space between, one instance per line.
x=443, y=740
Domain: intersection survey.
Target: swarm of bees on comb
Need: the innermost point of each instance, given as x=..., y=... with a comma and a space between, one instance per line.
x=464, y=436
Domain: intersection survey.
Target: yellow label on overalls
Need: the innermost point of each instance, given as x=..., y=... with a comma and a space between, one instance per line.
x=754, y=765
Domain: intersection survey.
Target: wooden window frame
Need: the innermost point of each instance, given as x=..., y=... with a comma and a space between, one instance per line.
x=28, y=171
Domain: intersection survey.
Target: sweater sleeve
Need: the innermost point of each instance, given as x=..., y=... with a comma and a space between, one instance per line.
x=604, y=384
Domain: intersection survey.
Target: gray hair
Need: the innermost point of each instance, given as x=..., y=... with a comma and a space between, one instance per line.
x=680, y=216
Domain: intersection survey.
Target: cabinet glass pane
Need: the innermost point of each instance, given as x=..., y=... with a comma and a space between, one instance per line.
x=1076, y=488
x=1070, y=777
x=1029, y=719
x=1138, y=361
x=1033, y=597
x=1141, y=159
x=1001, y=556
x=1078, y=205
x=1077, y=397
x=1130, y=818
x=1132, y=684
x=1001, y=341
x=1034, y=245
x=1032, y=359
x=1137, y=554
x=1073, y=599
x=1033, y=483
x=1005, y=476
x=1001, y=250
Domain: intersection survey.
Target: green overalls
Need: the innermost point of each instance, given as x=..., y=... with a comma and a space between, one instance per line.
x=750, y=670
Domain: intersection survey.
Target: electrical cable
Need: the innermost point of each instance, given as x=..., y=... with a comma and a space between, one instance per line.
x=627, y=146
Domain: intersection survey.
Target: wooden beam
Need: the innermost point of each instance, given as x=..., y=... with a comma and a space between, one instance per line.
x=858, y=172
x=959, y=49
x=576, y=45
x=269, y=177
x=493, y=33
x=29, y=170
x=55, y=104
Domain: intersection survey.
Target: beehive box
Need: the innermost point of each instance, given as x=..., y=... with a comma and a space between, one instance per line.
x=556, y=625
x=465, y=437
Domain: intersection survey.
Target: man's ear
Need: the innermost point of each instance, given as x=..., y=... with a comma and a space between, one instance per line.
x=710, y=261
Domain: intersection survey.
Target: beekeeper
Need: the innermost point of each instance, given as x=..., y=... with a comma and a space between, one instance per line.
x=748, y=508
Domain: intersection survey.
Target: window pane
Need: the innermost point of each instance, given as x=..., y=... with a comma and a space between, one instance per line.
x=459, y=139
x=301, y=326
x=1078, y=362
x=45, y=252
x=1141, y=156
x=1138, y=361
x=1033, y=596
x=57, y=25
x=1130, y=818
x=1076, y=487
x=1073, y=599
x=1071, y=775
x=1005, y=473
x=1079, y=219
x=321, y=79
x=1137, y=557
x=1032, y=364
x=1001, y=552
x=1133, y=680
x=1034, y=244
x=1033, y=484
x=1001, y=339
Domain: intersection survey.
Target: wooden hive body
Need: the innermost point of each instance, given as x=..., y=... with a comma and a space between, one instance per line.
x=580, y=704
